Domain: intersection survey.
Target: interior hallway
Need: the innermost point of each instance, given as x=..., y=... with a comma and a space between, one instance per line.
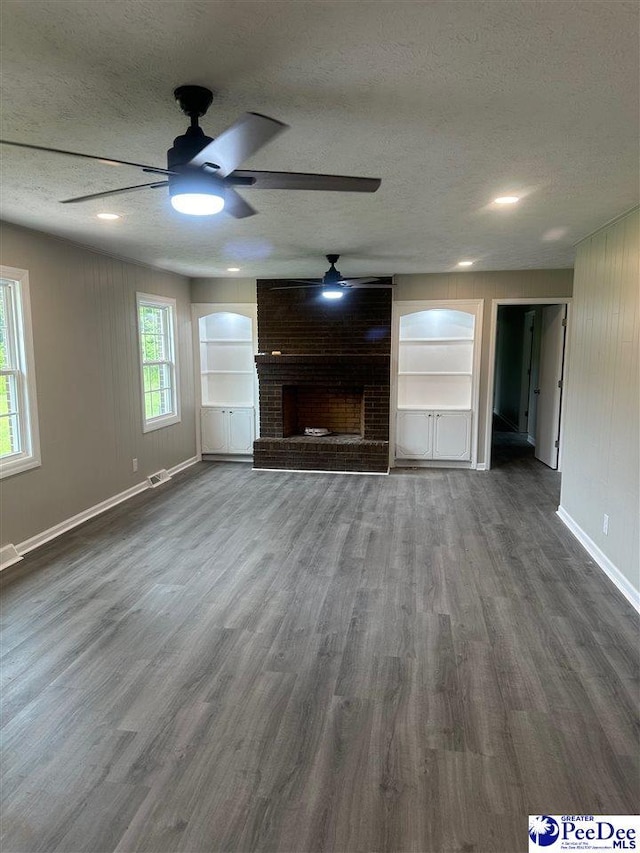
x=256, y=661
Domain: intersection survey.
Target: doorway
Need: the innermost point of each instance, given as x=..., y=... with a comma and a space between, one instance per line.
x=526, y=378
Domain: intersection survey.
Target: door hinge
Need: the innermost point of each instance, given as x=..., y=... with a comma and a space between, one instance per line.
x=564, y=321
x=560, y=383
x=556, y=443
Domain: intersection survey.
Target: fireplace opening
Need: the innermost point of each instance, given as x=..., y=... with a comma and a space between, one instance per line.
x=320, y=407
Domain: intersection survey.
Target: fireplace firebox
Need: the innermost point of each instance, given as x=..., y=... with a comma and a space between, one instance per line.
x=348, y=395
x=338, y=410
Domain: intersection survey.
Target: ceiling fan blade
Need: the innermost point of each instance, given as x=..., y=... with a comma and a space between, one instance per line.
x=297, y=286
x=354, y=282
x=304, y=181
x=238, y=142
x=364, y=280
x=106, y=160
x=113, y=192
x=236, y=205
x=369, y=285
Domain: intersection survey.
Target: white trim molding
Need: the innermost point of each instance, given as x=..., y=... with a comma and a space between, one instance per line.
x=75, y=520
x=611, y=571
x=493, y=329
x=22, y=367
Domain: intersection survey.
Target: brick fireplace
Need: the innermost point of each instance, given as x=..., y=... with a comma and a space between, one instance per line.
x=332, y=373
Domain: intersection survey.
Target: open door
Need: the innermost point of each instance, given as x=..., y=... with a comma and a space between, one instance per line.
x=549, y=388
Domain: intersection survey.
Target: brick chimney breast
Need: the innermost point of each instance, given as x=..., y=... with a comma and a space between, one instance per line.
x=334, y=368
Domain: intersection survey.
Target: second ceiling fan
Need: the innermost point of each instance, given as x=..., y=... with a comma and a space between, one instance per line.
x=333, y=283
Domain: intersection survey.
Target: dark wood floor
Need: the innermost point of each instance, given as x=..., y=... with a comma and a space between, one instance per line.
x=256, y=661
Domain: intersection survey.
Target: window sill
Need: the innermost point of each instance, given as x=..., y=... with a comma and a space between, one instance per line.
x=9, y=467
x=159, y=423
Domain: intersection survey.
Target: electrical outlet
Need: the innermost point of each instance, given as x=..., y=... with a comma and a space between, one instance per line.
x=605, y=524
x=134, y=465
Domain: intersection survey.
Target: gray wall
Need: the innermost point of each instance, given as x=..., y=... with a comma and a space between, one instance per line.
x=223, y=290
x=510, y=284
x=88, y=381
x=602, y=422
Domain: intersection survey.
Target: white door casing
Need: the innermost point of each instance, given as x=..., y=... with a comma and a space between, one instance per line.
x=550, y=384
x=564, y=302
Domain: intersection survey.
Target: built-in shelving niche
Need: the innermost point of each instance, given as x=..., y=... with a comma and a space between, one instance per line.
x=228, y=381
x=436, y=382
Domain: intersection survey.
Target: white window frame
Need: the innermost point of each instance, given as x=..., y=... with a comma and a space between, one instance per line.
x=20, y=333
x=165, y=302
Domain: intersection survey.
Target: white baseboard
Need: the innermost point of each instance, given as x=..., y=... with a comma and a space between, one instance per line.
x=181, y=466
x=316, y=471
x=85, y=515
x=481, y=466
x=8, y=556
x=611, y=571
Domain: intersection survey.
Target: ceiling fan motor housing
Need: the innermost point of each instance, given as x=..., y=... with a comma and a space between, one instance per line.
x=332, y=275
x=186, y=147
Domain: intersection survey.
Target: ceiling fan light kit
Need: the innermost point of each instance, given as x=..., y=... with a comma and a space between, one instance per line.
x=332, y=291
x=196, y=194
x=202, y=173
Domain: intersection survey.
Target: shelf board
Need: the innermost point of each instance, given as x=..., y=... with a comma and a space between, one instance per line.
x=433, y=409
x=436, y=340
x=228, y=406
x=226, y=341
x=434, y=373
x=228, y=372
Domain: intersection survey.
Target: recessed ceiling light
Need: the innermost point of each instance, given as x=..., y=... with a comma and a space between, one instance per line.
x=507, y=199
x=465, y=263
x=233, y=269
x=108, y=216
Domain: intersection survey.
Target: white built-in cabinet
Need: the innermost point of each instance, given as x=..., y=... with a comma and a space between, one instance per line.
x=436, y=380
x=433, y=435
x=227, y=430
x=228, y=381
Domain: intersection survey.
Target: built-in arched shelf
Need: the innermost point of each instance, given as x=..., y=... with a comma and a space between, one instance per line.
x=436, y=382
x=226, y=346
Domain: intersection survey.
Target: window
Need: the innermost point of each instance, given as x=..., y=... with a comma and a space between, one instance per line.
x=19, y=442
x=156, y=328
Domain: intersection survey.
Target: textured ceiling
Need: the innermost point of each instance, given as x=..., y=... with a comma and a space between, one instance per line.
x=450, y=103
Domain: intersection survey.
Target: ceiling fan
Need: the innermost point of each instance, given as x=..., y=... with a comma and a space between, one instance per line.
x=333, y=284
x=202, y=173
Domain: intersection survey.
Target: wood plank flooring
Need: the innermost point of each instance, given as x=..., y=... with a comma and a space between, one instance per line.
x=286, y=663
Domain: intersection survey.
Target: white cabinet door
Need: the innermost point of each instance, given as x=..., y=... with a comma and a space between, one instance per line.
x=414, y=435
x=241, y=432
x=452, y=435
x=214, y=431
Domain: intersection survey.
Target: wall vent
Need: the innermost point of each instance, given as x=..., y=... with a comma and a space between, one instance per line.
x=157, y=479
